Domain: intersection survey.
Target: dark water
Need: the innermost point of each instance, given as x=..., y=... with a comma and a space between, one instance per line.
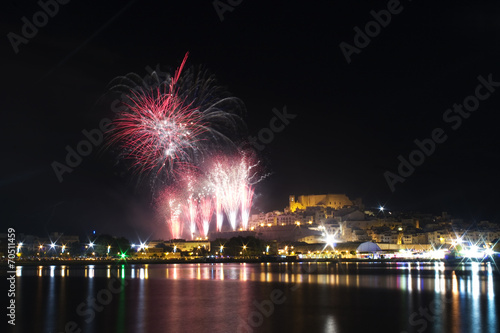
x=277, y=297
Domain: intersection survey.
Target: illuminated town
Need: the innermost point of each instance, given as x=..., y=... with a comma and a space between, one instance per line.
x=330, y=226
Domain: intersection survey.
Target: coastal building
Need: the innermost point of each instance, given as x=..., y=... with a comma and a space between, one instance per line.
x=183, y=245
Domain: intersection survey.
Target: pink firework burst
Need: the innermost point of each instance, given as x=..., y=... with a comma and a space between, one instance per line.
x=160, y=130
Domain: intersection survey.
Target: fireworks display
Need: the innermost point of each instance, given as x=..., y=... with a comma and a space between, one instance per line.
x=225, y=189
x=180, y=130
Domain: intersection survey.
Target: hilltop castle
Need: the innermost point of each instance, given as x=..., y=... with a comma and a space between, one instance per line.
x=335, y=201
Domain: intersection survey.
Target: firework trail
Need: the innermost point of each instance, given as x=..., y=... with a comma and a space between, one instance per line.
x=225, y=183
x=219, y=214
x=170, y=208
x=247, y=174
x=191, y=204
x=221, y=111
x=174, y=222
x=206, y=211
x=246, y=204
x=191, y=211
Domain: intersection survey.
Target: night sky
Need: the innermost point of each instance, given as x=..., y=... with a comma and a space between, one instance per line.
x=352, y=120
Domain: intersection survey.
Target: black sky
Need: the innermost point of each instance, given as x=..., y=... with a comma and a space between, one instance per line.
x=353, y=120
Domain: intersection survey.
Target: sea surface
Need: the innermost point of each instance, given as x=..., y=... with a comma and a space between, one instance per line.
x=258, y=297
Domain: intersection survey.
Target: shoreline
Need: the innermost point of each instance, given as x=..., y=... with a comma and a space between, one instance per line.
x=232, y=260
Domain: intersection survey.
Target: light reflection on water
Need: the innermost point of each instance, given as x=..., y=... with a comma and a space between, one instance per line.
x=465, y=294
x=476, y=279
